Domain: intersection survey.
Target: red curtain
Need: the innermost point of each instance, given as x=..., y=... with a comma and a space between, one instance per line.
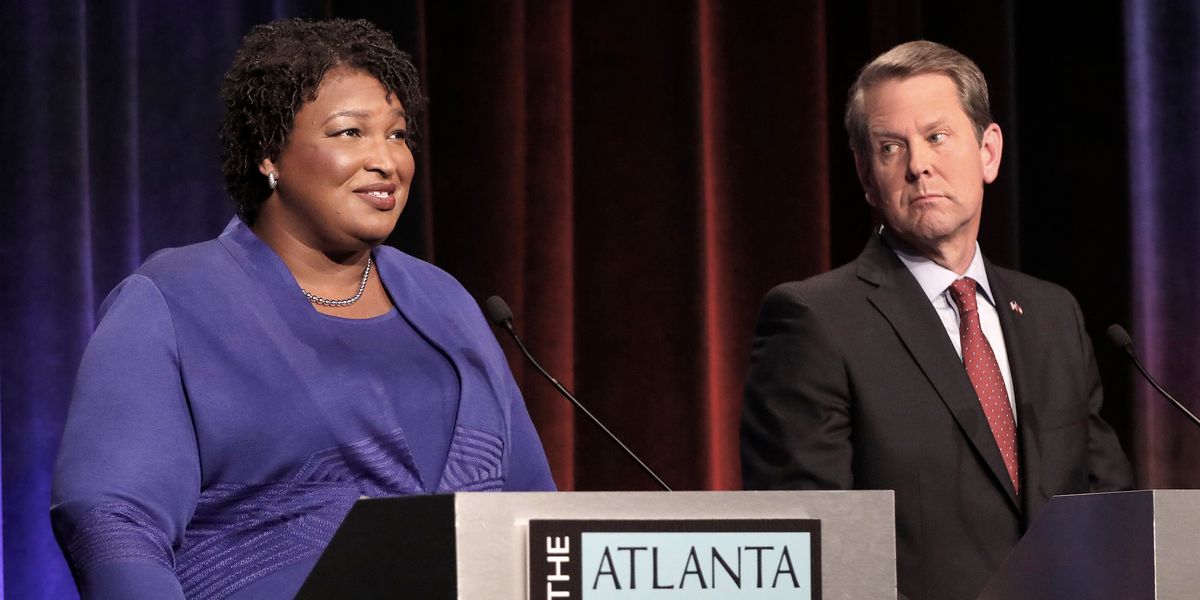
x=606, y=169
x=633, y=176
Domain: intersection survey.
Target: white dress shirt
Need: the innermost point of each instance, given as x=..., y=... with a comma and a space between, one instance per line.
x=935, y=281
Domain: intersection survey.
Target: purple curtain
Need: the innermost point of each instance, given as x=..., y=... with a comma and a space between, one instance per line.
x=1163, y=52
x=110, y=152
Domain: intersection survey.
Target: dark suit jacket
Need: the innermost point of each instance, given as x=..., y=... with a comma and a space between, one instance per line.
x=854, y=384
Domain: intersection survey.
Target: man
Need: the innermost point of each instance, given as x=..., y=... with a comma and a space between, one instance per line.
x=920, y=367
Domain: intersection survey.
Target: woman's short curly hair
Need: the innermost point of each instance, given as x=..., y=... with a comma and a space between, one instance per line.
x=277, y=70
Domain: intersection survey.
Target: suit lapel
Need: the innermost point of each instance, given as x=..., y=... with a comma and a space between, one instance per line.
x=1019, y=342
x=901, y=301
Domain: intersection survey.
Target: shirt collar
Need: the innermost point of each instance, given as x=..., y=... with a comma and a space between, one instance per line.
x=934, y=278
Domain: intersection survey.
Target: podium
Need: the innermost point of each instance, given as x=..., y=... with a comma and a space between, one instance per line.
x=1140, y=545
x=729, y=545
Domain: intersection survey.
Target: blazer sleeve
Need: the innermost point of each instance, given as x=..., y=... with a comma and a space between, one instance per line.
x=526, y=467
x=529, y=470
x=1108, y=468
x=795, y=430
x=128, y=471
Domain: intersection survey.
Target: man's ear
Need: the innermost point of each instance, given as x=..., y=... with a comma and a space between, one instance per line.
x=991, y=145
x=865, y=176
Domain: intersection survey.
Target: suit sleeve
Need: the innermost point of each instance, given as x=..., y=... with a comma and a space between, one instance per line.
x=1108, y=468
x=795, y=431
x=128, y=472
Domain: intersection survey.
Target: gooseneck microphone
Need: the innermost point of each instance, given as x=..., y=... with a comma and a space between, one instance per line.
x=1120, y=338
x=500, y=315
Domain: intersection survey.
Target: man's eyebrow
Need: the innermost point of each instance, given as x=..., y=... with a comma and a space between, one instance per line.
x=884, y=133
x=934, y=124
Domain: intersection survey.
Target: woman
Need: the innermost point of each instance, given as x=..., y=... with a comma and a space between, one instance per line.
x=240, y=394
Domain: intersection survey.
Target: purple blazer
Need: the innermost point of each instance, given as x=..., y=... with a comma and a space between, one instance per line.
x=219, y=430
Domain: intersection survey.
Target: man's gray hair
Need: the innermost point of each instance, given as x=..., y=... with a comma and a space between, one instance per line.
x=909, y=60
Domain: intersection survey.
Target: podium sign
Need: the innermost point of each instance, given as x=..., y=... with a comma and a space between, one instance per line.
x=698, y=559
x=697, y=545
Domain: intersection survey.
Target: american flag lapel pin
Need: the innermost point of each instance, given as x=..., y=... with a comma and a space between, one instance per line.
x=1016, y=307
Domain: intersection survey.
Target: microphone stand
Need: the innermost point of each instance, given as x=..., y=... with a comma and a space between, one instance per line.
x=504, y=320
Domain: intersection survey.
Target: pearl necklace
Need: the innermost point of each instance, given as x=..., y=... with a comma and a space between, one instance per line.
x=362, y=286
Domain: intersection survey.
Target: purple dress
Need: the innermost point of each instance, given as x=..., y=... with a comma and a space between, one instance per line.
x=221, y=427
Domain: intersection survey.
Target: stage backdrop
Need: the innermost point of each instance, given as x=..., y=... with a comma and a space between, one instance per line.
x=631, y=176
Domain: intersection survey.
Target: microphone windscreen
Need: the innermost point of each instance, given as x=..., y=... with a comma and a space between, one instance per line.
x=1118, y=336
x=497, y=310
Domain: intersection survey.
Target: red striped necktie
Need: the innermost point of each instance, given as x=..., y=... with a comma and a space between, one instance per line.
x=985, y=375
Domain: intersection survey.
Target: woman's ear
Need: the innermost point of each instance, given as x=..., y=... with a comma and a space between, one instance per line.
x=267, y=166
